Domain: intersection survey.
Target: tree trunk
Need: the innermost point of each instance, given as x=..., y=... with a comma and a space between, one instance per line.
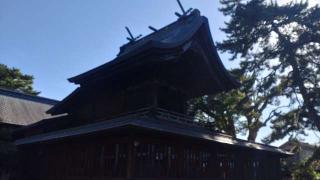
x=231, y=129
x=253, y=133
x=254, y=127
x=312, y=112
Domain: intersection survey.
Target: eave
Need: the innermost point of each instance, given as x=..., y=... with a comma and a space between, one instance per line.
x=156, y=125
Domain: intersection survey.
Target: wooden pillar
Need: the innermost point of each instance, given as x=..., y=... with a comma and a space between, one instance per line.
x=130, y=161
x=277, y=168
x=213, y=162
x=180, y=160
x=238, y=164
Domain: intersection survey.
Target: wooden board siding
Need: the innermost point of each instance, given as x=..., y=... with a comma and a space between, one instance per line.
x=145, y=158
x=68, y=160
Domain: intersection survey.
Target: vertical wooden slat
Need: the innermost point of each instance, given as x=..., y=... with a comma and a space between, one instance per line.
x=130, y=160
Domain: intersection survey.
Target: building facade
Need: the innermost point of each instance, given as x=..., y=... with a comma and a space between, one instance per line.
x=128, y=119
x=17, y=110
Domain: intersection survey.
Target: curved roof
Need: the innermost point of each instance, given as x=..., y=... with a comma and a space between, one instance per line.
x=186, y=34
x=174, y=36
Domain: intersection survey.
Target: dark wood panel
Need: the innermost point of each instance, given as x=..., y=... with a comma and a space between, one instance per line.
x=146, y=158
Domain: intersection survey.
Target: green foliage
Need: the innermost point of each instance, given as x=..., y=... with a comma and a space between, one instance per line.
x=12, y=78
x=302, y=173
x=279, y=51
x=219, y=112
x=310, y=169
x=237, y=111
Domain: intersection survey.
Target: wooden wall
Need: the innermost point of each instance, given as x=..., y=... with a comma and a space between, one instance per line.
x=145, y=158
x=107, y=102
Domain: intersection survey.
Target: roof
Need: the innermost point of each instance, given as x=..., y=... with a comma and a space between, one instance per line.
x=164, y=126
x=19, y=108
x=169, y=36
x=293, y=145
x=174, y=36
x=168, y=44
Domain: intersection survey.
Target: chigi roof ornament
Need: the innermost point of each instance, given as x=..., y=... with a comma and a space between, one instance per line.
x=132, y=38
x=184, y=13
x=153, y=29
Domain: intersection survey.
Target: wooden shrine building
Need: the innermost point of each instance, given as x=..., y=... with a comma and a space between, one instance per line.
x=128, y=118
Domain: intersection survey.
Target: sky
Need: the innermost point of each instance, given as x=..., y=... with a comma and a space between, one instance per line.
x=57, y=39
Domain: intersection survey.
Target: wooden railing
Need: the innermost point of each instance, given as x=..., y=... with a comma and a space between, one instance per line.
x=169, y=115
x=163, y=114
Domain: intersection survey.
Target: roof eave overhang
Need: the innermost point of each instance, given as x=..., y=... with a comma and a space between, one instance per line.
x=180, y=129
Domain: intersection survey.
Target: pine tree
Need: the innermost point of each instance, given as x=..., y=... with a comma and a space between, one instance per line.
x=279, y=46
x=12, y=78
x=237, y=111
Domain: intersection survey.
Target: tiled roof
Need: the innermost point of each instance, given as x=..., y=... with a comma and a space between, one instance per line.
x=23, y=109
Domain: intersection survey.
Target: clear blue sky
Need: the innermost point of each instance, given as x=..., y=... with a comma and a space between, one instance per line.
x=57, y=39
x=54, y=40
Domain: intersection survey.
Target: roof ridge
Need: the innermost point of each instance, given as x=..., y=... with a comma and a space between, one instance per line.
x=23, y=95
x=195, y=12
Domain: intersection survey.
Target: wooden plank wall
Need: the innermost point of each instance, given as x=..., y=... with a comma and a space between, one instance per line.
x=151, y=158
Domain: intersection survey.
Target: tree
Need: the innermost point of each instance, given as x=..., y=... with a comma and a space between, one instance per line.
x=278, y=46
x=237, y=111
x=309, y=169
x=218, y=113
x=12, y=78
